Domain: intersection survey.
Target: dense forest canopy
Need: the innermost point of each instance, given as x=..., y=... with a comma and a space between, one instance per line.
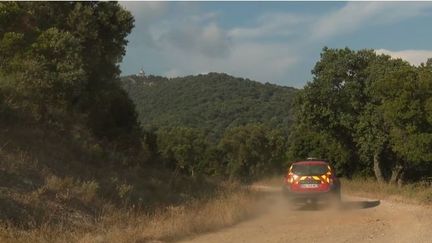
x=368, y=113
x=62, y=59
x=212, y=102
x=214, y=124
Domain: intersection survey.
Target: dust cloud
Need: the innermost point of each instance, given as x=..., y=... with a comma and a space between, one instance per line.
x=355, y=219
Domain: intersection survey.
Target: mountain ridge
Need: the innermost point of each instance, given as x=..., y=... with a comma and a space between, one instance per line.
x=212, y=102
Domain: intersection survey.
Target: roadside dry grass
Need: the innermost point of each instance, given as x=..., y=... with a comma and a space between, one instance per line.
x=229, y=206
x=57, y=187
x=413, y=192
x=276, y=181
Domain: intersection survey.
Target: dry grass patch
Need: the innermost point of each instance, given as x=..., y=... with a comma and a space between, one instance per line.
x=175, y=222
x=414, y=192
x=229, y=206
x=276, y=181
x=67, y=188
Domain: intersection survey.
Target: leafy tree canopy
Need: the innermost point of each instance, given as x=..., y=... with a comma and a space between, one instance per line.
x=211, y=102
x=61, y=59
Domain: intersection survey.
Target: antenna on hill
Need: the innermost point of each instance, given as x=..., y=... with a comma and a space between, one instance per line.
x=141, y=73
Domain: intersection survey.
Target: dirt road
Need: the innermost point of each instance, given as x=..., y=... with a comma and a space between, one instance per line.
x=358, y=220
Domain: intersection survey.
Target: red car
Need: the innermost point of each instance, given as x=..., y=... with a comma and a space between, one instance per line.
x=311, y=180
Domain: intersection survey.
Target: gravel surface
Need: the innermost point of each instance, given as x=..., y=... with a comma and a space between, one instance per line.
x=356, y=220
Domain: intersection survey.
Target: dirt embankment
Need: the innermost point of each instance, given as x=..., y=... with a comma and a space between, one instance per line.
x=357, y=220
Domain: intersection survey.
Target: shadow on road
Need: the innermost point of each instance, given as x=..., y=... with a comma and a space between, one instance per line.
x=360, y=204
x=344, y=205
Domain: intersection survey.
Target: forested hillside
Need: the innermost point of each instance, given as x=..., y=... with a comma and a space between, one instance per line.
x=368, y=114
x=213, y=102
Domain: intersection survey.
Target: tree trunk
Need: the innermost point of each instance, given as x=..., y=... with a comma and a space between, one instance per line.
x=192, y=172
x=377, y=168
x=401, y=179
x=396, y=175
x=172, y=178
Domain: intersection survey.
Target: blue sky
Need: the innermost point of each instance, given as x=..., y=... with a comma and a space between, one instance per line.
x=276, y=42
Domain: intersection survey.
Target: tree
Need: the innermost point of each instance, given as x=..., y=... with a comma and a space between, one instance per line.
x=182, y=148
x=48, y=74
x=305, y=142
x=252, y=150
x=62, y=59
x=333, y=100
x=374, y=107
x=404, y=95
x=372, y=131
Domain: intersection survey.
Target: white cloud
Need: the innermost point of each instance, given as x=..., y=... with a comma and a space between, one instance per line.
x=173, y=73
x=270, y=25
x=197, y=44
x=195, y=39
x=146, y=10
x=345, y=20
x=263, y=62
x=214, y=41
x=415, y=57
x=355, y=15
x=145, y=14
x=210, y=16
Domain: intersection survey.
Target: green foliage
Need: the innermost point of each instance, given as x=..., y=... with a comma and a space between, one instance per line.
x=214, y=124
x=183, y=148
x=252, y=150
x=305, y=142
x=404, y=96
x=332, y=102
x=212, y=102
x=244, y=152
x=112, y=116
x=61, y=60
x=366, y=109
x=59, y=65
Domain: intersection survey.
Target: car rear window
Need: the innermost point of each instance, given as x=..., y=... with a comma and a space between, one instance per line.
x=310, y=170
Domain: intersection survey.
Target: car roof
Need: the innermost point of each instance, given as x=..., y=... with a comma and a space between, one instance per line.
x=311, y=162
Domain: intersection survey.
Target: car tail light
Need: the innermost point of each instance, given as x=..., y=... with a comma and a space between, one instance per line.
x=288, y=178
x=295, y=179
x=291, y=178
x=329, y=177
x=324, y=179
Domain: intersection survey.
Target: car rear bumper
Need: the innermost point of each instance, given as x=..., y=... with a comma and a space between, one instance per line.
x=332, y=193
